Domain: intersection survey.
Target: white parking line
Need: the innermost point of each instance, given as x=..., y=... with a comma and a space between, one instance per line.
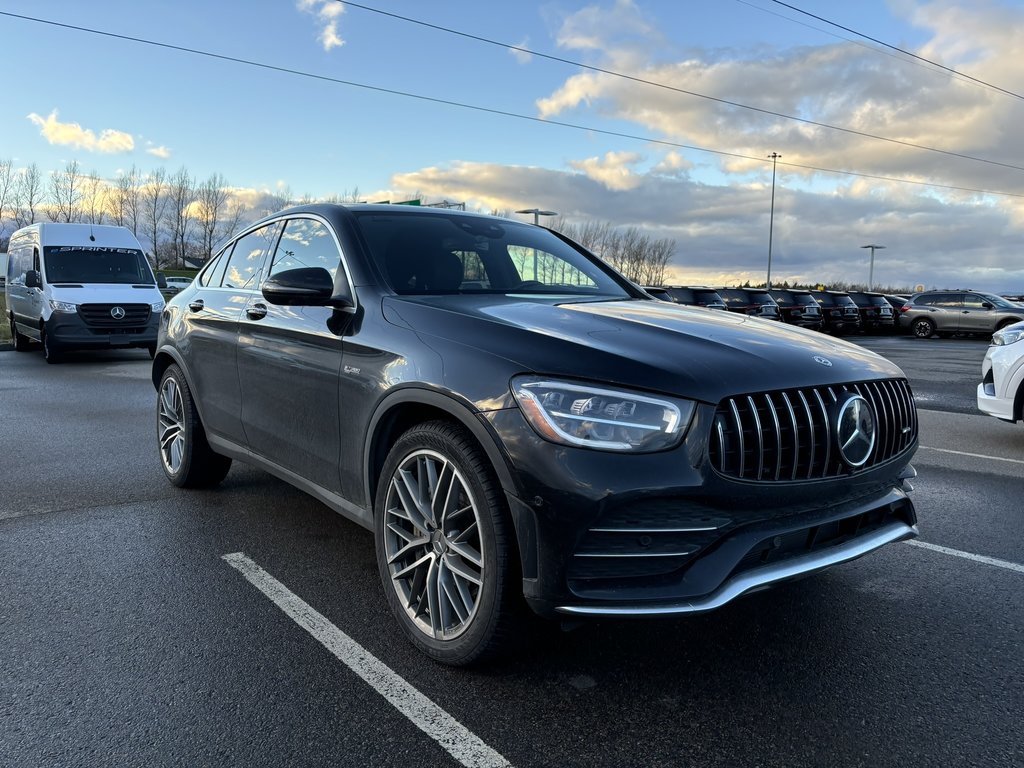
x=973, y=455
x=969, y=556
x=459, y=741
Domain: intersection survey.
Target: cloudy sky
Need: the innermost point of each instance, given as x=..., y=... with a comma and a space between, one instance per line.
x=614, y=110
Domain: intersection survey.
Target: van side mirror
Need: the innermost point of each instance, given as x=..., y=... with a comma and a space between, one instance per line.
x=306, y=287
x=33, y=279
x=161, y=280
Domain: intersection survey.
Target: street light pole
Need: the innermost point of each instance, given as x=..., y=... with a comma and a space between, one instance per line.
x=537, y=213
x=871, y=270
x=774, y=157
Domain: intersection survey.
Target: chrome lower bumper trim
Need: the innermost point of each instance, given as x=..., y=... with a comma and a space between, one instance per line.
x=759, y=577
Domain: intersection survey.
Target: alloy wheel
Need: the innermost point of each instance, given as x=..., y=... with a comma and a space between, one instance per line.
x=432, y=544
x=171, y=420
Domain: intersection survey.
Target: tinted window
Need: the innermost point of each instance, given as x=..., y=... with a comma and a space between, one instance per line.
x=860, y=299
x=425, y=254
x=734, y=297
x=707, y=297
x=306, y=243
x=805, y=300
x=878, y=301
x=247, y=257
x=845, y=301
x=783, y=298
x=96, y=264
x=760, y=297
x=683, y=295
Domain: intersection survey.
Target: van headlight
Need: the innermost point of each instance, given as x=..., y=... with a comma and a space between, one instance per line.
x=158, y=306
x=573, y=413
x=1007, y=336
x=63, y=306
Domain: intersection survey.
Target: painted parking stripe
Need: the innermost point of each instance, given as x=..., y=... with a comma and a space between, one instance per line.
x=969, y=556
x=455, y=738
x=972, y=455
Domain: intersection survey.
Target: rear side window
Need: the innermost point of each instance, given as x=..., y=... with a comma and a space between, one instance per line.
x=306, y=243
x=939, y=300
x=247, y=257
x=213, y=274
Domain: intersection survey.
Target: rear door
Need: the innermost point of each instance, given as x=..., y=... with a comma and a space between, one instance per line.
x=222, y=293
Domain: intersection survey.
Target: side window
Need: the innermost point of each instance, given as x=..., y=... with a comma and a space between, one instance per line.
x=35, y=259
x=306, y=243
x=213, y=274
x=243, y=268
x=973, y=301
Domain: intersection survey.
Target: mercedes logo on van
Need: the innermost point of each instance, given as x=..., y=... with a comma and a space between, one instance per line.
x=855, y=430
x=823, y=361
x=117, y=313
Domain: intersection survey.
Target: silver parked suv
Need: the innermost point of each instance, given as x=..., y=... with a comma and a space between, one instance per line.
x=948, y=312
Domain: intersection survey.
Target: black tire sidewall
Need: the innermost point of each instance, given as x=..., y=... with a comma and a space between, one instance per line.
x=455, y=445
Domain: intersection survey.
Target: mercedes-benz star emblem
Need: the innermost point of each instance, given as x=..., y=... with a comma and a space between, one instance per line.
x=117, y=313
x=823, y=360
x=855, y=429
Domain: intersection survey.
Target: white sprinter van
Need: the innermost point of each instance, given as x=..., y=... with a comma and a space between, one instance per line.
x=80, y=286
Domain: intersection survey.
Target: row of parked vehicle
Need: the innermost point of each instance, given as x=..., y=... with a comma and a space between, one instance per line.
x=926, y=314
x=837, y=312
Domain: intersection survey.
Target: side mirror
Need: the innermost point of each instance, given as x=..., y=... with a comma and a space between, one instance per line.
x=33, y=279
x=306, y=287
x=986, y=305
x=161, y=280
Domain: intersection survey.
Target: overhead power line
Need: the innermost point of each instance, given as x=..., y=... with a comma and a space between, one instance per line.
x=665, y=86
x=898, y=49
x=490, y=110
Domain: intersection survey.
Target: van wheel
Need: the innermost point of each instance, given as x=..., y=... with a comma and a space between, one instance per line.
x=21, y=342
x=51, y=351
x=444, y=546
x=185, y=455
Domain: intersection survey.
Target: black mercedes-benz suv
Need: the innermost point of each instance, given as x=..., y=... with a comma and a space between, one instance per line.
x=515, y=420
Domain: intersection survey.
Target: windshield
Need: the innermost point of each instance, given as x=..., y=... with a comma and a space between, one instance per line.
x=96, y=264
x=422, y=254
x=999, y=302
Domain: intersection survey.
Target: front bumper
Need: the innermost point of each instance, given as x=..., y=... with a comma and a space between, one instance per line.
x=68, y=330
x=614, y=534
x=1002, y=374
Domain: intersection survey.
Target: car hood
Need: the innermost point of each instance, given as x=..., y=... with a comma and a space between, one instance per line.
x=105, y=293
x=651, y=345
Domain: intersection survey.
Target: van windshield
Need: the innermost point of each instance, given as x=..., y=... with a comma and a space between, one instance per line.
x=96, y=264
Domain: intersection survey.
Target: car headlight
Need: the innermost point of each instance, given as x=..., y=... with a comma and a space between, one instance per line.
x=598, y=417
x=63, y=306
x=1005, y=336
x=158, y=306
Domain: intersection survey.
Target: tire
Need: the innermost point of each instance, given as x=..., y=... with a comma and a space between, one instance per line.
x=21, y=342
x=185, y=455
x=923, y=328
x=444, y=546
x=51, y=352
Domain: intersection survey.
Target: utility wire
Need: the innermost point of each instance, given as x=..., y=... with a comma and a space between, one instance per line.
x=667, y=87
x=898, y=49
x=490, y=110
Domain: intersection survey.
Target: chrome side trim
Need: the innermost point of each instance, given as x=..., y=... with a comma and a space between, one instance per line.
x=684, y=553
x=759, y=577
x=655, y=530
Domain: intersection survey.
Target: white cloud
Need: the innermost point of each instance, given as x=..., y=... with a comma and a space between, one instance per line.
x=162, y=152
x=109, y=141
x=522, y=56
x=328, y=12
x=613, y=170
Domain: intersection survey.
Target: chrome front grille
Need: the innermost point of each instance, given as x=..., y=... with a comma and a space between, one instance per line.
x=789, y=435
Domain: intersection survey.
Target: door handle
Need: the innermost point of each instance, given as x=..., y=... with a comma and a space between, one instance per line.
x=256, y=311
x=196, y=305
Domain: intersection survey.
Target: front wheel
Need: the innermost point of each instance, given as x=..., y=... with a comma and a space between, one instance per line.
x=443, y=541
x=51, y=351
x=185, y=455
x=923, y=328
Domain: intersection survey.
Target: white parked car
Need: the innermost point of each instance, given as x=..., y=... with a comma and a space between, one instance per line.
x=1001, y=392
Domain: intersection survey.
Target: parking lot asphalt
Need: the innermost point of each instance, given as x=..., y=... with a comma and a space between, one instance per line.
x=129, y=640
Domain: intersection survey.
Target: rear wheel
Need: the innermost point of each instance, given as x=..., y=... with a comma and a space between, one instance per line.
x=923, y=328
x=21, y=342
x=185, y=455
x=444, y=546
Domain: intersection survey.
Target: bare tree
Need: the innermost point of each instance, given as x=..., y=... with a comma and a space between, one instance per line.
x=181, y=193
x=7, y=179
x=94, y=198
x=153, y=196
x=125, y=201
x=212, y=198
x=66, y=193
x=28, y=195
x=233, y=219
